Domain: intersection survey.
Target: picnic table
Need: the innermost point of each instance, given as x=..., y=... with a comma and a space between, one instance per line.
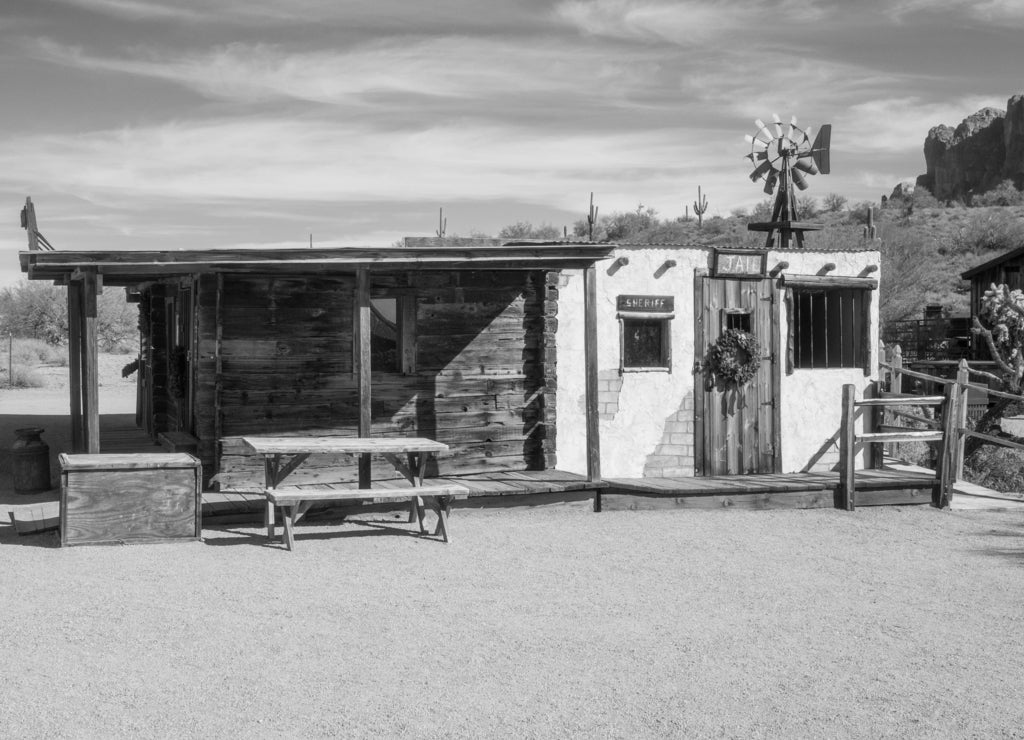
x=408, y=455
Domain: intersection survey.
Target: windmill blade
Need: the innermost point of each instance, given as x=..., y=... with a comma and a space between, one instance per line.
x=754, y=141
x=760, y=170
x=769, y=183
x=798, y=179
x=778, y=125
x=763, y=130
x=820, y=148
x=792, y=127
x=755, y=157
x=805, y=163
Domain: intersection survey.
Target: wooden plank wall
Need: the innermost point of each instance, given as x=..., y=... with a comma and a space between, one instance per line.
x=483, y=381
x=158, y=357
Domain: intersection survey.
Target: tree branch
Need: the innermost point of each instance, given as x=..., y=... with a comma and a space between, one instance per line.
x=997, y=356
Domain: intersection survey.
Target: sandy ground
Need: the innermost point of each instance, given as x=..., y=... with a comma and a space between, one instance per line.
x=889, y=622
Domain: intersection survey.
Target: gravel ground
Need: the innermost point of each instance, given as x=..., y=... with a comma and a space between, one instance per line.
x=546, y=623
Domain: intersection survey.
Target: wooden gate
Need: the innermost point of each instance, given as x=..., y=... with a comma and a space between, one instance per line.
x=737, y=429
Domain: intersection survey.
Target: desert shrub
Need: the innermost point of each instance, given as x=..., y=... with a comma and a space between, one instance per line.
x=37, y=310
x=922, y=198
x=992, y=230
x=833, y=202
x=762, y=211
x=1004, y=194
x=26, y=377
x=628, y=226
x=526, y=230
x=859, y=213
x=34, y=310
x=807, y=207
x=715, y=225
x=998, y=468
x=31, y=352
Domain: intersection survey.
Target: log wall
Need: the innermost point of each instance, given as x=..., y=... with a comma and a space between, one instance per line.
x=275, y=356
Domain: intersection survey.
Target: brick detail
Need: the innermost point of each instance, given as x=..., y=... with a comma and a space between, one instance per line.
x=674, y=455
x=609, y=386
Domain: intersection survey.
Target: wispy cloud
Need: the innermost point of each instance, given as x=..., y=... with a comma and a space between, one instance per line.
x=324, y=160
x=989, y=11
x=441, y=67
x=685, y=21
x=383, y=14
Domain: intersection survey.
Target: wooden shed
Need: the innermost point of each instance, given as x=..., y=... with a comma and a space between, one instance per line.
x=449, y=339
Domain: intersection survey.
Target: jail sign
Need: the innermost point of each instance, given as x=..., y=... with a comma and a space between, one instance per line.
x=739, y=263
x=646, y=303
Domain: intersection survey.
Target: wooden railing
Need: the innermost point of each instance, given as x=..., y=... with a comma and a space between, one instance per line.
x=948, y=427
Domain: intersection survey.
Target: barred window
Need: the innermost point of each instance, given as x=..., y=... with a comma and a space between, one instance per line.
x=828, y=327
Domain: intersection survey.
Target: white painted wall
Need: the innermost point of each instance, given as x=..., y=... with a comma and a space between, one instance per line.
x=650, y=402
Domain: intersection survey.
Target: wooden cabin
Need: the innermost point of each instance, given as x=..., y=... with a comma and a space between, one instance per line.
x=519, y=355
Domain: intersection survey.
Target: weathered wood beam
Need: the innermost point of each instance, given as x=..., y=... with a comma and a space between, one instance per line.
x=90, y=363
x=75, y=364
x=847, y=453
x=590, y=365
x=828, y=281
x=363, y=367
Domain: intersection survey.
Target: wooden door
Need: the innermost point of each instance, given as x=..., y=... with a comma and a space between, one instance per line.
x=737, y=429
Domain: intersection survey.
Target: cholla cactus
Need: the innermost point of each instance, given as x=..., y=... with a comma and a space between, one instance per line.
x=442, y=224
x=1000, y=322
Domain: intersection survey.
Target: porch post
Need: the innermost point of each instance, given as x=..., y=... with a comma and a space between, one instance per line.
x=75, y=363
x=90, y=363
x=590, y=364
x=362, y=362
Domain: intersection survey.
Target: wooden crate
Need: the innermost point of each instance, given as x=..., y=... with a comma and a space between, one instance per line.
x=130, y=498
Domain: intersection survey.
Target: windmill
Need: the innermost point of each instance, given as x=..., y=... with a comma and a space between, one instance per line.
x=783, y=156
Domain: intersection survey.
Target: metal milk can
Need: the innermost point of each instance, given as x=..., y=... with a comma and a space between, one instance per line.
x=30, y=461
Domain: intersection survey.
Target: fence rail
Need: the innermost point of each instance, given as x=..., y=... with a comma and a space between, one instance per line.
x=949, y=428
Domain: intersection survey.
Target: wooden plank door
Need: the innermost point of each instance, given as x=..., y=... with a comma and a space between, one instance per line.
x=737, y=429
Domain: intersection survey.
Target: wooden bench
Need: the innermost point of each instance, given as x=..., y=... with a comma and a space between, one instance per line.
x=295, y=502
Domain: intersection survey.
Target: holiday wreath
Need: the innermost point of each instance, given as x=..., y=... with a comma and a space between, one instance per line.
x=735, y=357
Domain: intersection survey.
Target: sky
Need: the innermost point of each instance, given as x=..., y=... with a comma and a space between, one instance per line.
x=186, y=124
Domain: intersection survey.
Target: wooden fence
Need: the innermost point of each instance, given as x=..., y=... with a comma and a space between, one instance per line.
x=944, y=418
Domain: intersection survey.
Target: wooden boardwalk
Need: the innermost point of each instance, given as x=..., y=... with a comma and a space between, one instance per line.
x=770, y=491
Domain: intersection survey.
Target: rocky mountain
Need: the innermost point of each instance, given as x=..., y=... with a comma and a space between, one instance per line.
x=983, y=151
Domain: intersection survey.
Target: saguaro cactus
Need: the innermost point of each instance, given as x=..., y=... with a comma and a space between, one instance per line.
x=442, y=223
x=700, y=206
x=870, y=232
x=591, y=219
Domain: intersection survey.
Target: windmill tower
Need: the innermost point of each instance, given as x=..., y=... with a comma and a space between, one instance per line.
x=782, y=156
